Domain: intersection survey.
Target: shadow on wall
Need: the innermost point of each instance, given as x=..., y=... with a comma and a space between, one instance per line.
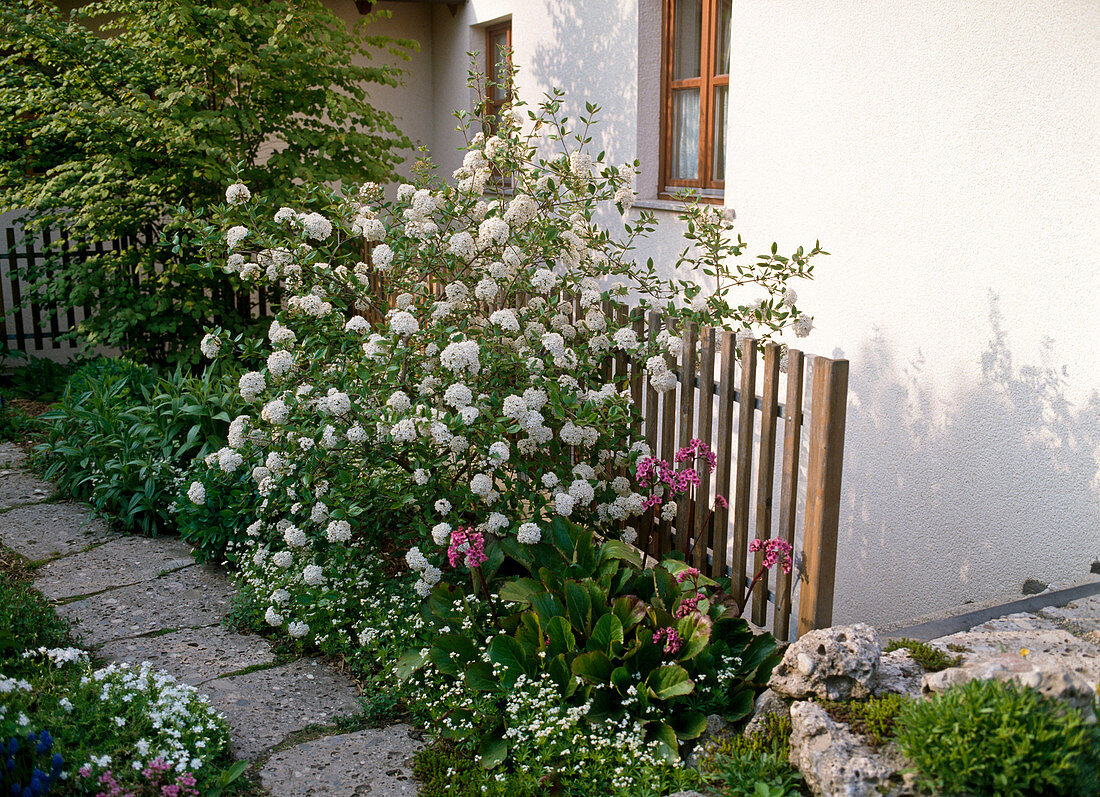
x=582, y=52
x=947, y=505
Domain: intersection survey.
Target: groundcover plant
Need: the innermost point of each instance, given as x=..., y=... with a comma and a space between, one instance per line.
x=436, y=397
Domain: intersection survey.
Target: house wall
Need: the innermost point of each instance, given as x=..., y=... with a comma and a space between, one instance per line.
x=945, y=154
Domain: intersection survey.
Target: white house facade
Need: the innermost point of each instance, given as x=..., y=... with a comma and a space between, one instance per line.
x=946, y=153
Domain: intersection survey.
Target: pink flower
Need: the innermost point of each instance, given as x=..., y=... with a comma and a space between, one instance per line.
x=467, y=546
x=776, y=551
x=720, y=500
x=653, y=500
x=687, y=606
x=686, y=573
x=672, y=640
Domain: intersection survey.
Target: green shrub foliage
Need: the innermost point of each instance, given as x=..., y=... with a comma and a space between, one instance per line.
x=997, y=738
x=120, y=438
x=928, y=657
x=131, y=115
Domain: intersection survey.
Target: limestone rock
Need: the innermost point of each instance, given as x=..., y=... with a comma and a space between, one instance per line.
x=767, y=703
x=897, y=674
x=837, y=663
x=1050, y=679
x=836, y=762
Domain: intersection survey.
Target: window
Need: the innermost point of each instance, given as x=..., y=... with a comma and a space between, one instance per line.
x=498, y=65
x=695, y=95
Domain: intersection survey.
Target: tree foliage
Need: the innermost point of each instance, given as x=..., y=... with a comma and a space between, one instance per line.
x=130, y=118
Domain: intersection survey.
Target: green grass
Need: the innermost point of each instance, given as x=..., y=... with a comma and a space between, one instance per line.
x=755, y=765
x=930, y=658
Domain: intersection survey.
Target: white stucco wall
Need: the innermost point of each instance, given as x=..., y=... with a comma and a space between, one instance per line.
x=945, y=152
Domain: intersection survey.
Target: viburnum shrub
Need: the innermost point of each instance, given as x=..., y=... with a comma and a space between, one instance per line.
x=459, y=339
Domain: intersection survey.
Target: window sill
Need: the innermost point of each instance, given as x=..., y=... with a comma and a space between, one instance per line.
x=672, y=205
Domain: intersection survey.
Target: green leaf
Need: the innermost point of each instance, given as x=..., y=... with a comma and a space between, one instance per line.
x=520, y=590
x=507, y=652
x=688, y=724
x=493, y=749
x=547, y=606
x=410, y=662
x=480, y=678
x=579, y=605
x=593, y=667
x=561, y=636
x=666, y=737
x=617, y=549
x=670, y=680
x=607, y=632
x=739, y=706
x=629, y=609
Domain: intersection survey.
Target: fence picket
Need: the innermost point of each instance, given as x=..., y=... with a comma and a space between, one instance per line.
x=687, y=426
x=830, y=392
x=743, y=477
x=788, y=489
x=725, y=454
x=702, y=536
x=765, y=474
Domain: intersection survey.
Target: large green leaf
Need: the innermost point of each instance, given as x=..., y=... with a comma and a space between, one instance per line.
x=617, y=549
x=520, y=590
x=629, y=609
x=493, y=749
x=561, y=636
x=410, y=662
x=740, y=705
x=508, y=653
x=579, y=605
x=451, y=653
x=594, y=667
x=669, y=680
x=547, y=606
x=689, y=723
x=668, y=745
x=607, y=632
x=695, y=630
x=480, y=678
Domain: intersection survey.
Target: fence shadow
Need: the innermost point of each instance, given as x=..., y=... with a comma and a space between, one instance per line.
x=945, y=505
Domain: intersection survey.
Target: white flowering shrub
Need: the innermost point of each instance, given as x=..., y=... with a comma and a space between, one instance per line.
x=440, y=371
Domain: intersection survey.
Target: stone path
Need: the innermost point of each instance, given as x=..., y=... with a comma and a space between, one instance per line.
x=135, y=599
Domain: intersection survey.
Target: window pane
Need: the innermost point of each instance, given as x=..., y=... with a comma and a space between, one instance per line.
x=688, y=33
x=718, y=169
x=722, y=45
x=685, y=135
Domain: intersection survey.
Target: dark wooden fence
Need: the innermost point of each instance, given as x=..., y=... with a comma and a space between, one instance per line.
x=724, y=398
x=42, y=327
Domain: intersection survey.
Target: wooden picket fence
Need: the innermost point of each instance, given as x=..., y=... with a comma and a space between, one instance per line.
x=40, y=327
x=721, y=399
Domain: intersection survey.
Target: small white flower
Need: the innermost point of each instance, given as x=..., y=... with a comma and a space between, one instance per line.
x=197, y=493
x=235, y=235
x=529, y=533
x=313, y=575
x=210, y=347
x=237, y=194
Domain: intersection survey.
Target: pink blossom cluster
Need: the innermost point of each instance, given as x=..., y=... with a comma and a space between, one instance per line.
x=184, y=785
x=775, y=551
x=467, y=546
x=697, y=449
x=687, y=605
x=686, y=573
x=672, y=640
x=652, y=472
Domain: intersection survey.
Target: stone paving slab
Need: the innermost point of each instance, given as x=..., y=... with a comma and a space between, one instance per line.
x=194, y=596
x=11, y=456
x=266, y=705
x=376, y=762
x=192, y=655
x=118, y=563
x=18, y=488
x=41, y=531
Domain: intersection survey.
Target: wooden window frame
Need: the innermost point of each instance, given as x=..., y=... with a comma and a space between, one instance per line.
x=493, y=103
x=709, y=189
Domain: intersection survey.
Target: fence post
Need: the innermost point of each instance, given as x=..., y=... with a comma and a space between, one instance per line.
x=830, y=398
